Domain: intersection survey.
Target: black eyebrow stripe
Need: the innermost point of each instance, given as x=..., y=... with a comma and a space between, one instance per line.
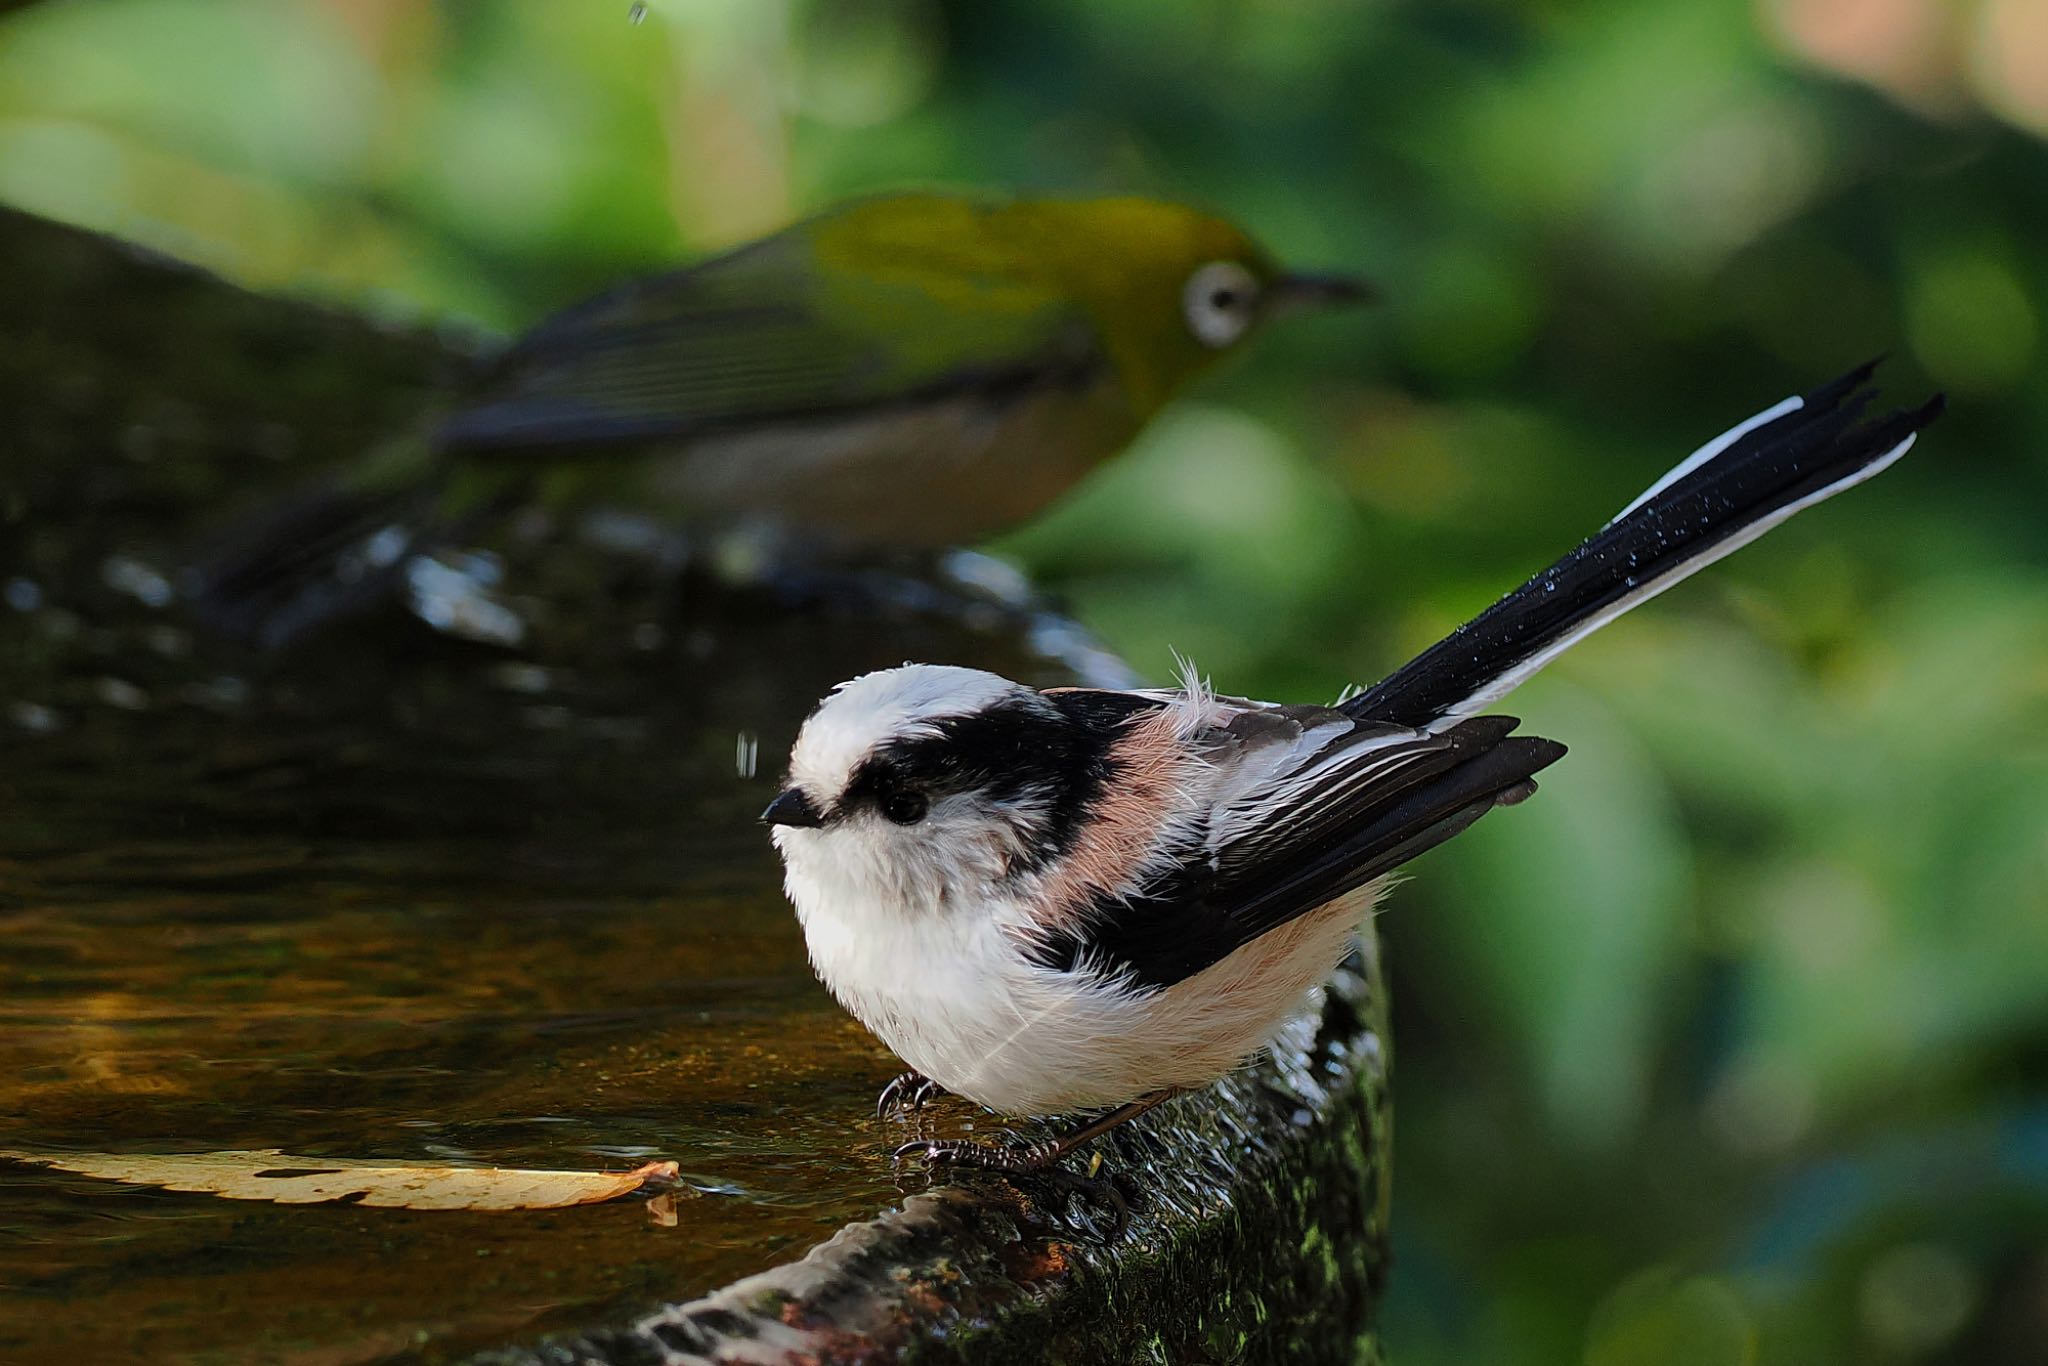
x=1062, y=752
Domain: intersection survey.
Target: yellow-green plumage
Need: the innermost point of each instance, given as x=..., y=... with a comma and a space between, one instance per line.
x=900, y=372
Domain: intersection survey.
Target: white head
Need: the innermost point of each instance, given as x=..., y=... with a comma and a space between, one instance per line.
x=921, y=787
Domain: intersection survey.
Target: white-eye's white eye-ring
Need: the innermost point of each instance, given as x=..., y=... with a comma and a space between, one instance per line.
x=1219, y=302
x=905, y=807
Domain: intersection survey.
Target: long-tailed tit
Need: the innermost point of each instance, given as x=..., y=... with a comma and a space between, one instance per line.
x=1090, y=900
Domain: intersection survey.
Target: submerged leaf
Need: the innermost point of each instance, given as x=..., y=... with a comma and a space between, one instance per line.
x=272, y=1174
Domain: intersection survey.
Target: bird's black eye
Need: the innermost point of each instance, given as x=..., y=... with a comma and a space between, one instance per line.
x=1223, y=300
x=905, y=807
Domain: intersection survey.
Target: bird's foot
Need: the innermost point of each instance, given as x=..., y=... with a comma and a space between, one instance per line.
x=1017, y=1159
x=906, y=1096
x=1077, y=1201
x=1009, y=1159
x=1072, y=1199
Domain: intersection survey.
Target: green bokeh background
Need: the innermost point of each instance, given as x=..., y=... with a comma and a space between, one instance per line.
x=1733, y=1046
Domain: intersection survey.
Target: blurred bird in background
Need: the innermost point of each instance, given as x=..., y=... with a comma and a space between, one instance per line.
x=898, y=374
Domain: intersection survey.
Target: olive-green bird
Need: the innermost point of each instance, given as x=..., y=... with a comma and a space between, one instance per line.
x=902, y=372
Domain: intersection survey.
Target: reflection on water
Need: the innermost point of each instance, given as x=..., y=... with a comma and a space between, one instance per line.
x=411, y=898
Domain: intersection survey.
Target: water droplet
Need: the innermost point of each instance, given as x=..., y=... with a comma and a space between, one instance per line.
x=531, y=679
x=384, y=548
x=168, y=641
x=747, y=754
x=222, y=694
x=637, y=13
x=34, y=717
x=453, y=595
x=125, y=574
x=119, y=692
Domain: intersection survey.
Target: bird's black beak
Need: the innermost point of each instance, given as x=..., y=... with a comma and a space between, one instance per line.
x=792, y=807
x=1300, y=293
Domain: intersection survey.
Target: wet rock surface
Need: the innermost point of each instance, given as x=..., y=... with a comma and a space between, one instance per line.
x=399, y=893
x=1255, y=1214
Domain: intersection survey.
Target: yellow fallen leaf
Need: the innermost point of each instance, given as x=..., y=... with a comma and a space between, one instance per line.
x=271, y=1174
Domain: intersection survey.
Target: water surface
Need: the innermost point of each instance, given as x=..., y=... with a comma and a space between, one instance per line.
x=399, y=896
x=392, y=894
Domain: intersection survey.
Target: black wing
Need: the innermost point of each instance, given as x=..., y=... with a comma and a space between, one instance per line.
x=1353, y=810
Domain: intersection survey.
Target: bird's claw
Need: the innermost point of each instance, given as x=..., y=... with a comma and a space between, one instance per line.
x=1019, y=1160
x=906, y=1096
x=1034, y=1163
x=1076, y=1192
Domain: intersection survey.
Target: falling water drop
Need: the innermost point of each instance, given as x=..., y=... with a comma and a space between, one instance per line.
x=637, y=13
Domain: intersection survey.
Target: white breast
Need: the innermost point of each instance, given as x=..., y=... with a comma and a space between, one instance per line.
x=951, y=989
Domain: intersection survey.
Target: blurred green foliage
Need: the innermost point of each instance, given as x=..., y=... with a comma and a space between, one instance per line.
x=1733, y=1046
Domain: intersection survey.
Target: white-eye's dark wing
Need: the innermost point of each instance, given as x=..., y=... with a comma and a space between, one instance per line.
x=1309, y=803
x=769, y=334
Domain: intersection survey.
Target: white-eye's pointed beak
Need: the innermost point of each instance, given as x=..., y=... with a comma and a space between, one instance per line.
x=1300, y=293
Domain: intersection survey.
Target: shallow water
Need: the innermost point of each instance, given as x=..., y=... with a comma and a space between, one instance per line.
x=413, y=898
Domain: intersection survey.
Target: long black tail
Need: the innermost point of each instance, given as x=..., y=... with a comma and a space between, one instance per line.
x=325, y=552
x=1725, y=495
